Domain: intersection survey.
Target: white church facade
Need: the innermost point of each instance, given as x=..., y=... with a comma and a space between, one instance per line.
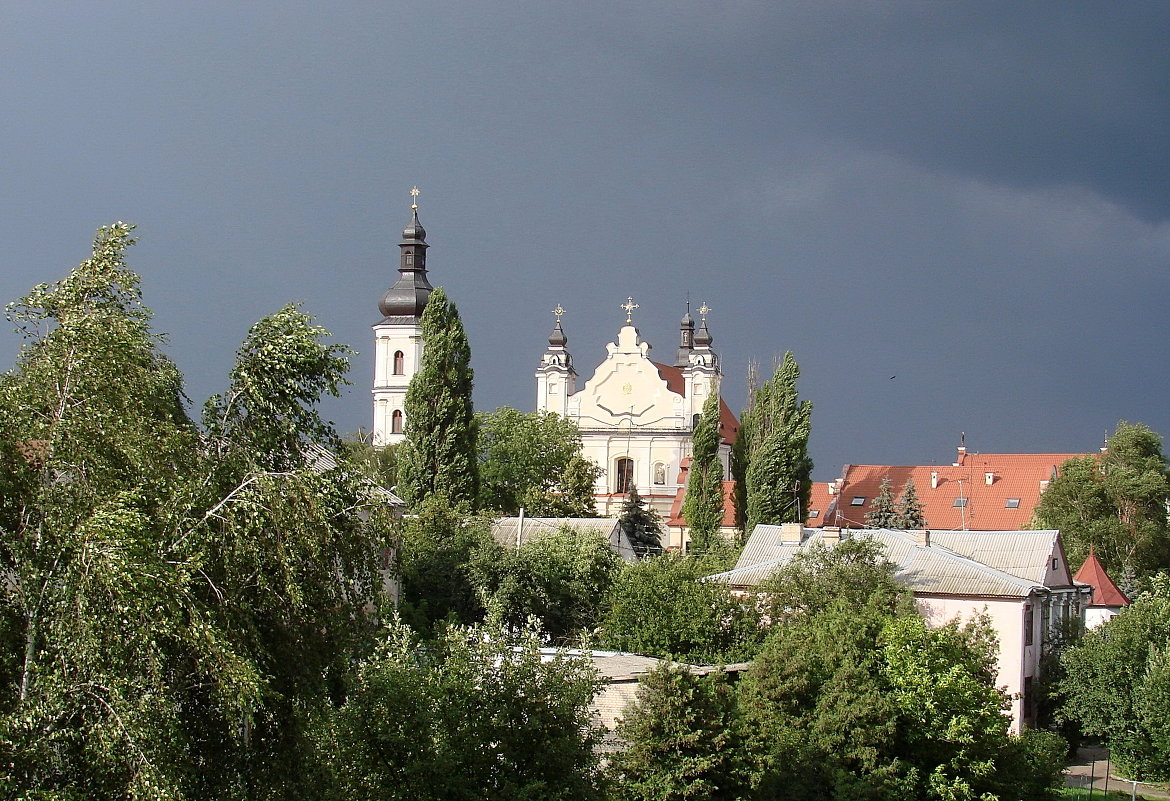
x=636, y=415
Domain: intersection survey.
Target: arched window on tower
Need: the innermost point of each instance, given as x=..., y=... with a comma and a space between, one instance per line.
x=624, y=474
x=695, y=421
x=396, y=422
x=409, y=258
x=399, y=363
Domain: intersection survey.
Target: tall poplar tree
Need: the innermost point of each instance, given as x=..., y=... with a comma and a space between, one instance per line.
x=439, y=454
x=703, y=504
x=779, y=468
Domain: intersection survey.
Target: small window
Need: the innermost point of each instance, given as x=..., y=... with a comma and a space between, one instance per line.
x=1055, y=563
x=858, y=500
x=409, y=258
x=960, y=502
x=695, y=420
x=814, y=513
x=1011, y=503
x=396, y=422
x=399, y=363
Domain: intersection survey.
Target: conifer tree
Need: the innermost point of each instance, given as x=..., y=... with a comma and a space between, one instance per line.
x=910, y=513
x=439, y=453
x=703, y=504
x=779, y=467
x=641, y=524
x=883, y=512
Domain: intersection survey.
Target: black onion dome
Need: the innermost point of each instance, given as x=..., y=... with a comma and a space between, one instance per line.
x=703, y=336
x=557, y=338
x=413, y=232
x=408, y=297
x=687, y=320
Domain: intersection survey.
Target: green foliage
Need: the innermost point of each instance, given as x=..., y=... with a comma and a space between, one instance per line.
x=659, y=607
x=883, y=512
x=476, y=714
x=170, y=601
x=1117, y=686
x=779, y=469
x=854, y=572
x=377, y=464
x=685, y=737
x=1116, y=503
x=439, y=454
x=909, y=508
x=703, y=503
x=642, y=525
x=533, y=460
x=558, y=578
x=438, y=543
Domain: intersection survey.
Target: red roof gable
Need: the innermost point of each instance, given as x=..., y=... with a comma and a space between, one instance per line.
x=676, y=519
x=673, y=376
x=980, y=492
x=1105, y=592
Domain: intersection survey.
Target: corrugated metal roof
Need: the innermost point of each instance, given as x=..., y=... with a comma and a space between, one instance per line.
x=972, y=563
x=608, y=528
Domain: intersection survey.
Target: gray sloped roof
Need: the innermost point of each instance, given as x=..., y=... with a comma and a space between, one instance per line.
x=986, y=564
x=608, y=528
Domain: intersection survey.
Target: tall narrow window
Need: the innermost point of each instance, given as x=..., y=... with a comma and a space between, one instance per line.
x=396, y=422
x=624, y=473
x=399, y=363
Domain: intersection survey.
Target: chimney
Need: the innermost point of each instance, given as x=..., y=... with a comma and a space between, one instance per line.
x=1043, y=485
x=934, y=479
x=989, y=478
x=831, y=535
x=922, y=537
x=791, y=533
x=961, y=456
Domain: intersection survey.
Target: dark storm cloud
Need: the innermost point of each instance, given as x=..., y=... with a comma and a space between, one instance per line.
x=971, y=196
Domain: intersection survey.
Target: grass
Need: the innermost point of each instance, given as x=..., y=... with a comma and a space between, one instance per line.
x=1081, y=794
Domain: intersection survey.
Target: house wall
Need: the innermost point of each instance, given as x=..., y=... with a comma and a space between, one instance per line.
x=1017, y=661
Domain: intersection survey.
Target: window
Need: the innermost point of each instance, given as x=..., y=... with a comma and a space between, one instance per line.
x=409, y=258
x=858, y=500
x=695, y=420
x=1029, y=624
x=396, y=422
x=399, y=359
x=624, y=473
x=1055, y=563
x=960, y=502
x=1011, y=503
x=814, y=513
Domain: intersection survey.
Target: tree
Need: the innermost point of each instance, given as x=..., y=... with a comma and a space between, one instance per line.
x=1116, y=503
x=685, y=739
x=661, y=607
x=703, y=503
x=779, y=468
x=533, y=460
x=909, y=508
x=1117, y=684
x=172, y=597
x=558, y=578
x=378, y=464
x=642, y=525
x=439, y=454
x=477, y=714
x=883, y=512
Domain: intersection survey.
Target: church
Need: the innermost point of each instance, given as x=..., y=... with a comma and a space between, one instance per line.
x=636, y=415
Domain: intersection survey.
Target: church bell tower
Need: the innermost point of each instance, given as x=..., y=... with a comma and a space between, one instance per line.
x=398, y=344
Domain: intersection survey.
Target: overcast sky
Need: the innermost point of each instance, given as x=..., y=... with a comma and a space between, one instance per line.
x=954, y=214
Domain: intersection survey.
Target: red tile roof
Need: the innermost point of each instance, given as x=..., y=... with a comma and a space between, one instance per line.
x=1105, y=592
x=673, y=376
x=979, y=492
x=818, y=502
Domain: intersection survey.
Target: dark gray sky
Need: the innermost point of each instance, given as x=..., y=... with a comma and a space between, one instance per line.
x=973, y=197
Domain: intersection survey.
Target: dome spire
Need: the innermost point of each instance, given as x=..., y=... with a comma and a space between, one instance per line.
x=557, y=338
x=703, y=337
x=408, y=297
x=686, y=338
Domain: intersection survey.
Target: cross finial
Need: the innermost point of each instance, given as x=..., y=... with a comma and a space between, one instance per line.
x=629, y=306
x=558, y=311
x=704, y=310
x=414, y=198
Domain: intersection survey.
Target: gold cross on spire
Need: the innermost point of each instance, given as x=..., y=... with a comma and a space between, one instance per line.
x=414, y=198
x=629, y=306
x=558, y=311
x=704, y=310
